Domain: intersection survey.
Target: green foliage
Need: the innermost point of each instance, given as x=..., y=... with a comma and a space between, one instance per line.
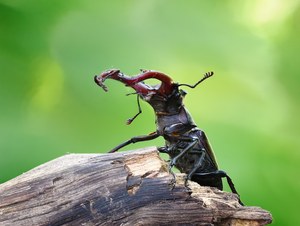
x=50, y=51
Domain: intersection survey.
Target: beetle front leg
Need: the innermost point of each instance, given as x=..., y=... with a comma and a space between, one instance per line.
x=133, y=140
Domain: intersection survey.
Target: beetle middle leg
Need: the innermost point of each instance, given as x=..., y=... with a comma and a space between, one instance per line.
x=173, y=161
x=196, y=166
x=190, y=146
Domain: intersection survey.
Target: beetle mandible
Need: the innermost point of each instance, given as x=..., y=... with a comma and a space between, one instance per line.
x=187, y=145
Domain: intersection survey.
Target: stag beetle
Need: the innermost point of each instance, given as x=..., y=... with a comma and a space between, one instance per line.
x=186, y=144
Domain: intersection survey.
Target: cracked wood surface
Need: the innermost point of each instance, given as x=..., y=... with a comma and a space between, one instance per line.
x=126, y=188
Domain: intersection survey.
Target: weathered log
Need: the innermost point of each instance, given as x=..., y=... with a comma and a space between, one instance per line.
x=126, y=188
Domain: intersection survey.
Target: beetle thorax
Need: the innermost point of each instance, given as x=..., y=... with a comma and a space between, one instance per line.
x=166, y=105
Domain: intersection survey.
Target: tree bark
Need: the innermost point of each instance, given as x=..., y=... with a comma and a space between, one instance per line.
x=126, y=188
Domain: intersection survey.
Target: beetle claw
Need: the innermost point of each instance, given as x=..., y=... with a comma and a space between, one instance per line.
x=129, y=121
x=173, y=180
x=186, y=179
x=100, y=83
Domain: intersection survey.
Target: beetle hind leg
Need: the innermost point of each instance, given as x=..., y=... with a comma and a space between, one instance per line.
x=219, y=174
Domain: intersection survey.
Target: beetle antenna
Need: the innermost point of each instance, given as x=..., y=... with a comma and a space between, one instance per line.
x=129, y=121
x=206, y=75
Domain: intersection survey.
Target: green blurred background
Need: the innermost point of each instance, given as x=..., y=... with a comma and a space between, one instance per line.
x=50, y=106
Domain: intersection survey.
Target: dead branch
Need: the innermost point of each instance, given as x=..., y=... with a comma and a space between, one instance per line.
x=126, y=188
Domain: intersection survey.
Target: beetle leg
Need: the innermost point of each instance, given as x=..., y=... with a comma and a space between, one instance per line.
x=164, y=149
x=173, y=181
x=133, y=140
x=196, y=166
x=129, y=121
x=183, y=152
x=221, y=173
